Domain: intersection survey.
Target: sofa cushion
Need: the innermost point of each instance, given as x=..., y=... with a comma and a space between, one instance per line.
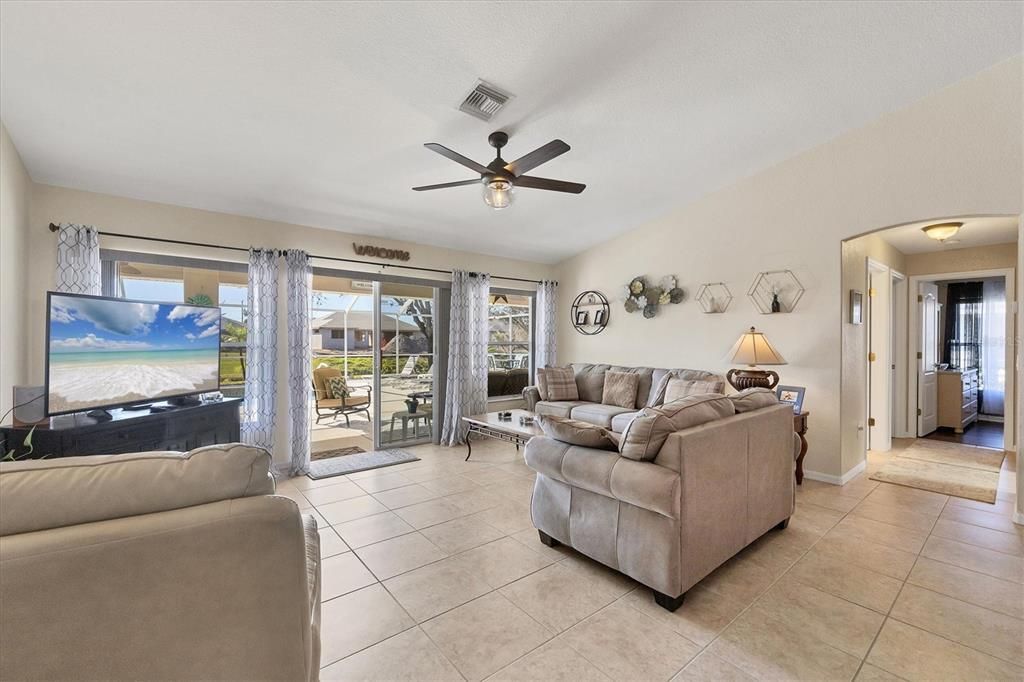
x=645, y=375
x=753, y=399
x=663, y=376
x=620, y=388
x=589, y=380
x=50, y=493
x=680, y=388
x=647, y=432
x=642, y=484
x=598, y=414
x=621, y=421
x=557, y=383
x=578, y=433
x=561, y=408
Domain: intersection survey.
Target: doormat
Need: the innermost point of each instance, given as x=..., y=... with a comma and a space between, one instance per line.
x=362, y=461
x=336, y=452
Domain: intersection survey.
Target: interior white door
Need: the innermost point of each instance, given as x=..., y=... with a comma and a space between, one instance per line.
x=928, y=354
x=879, y=360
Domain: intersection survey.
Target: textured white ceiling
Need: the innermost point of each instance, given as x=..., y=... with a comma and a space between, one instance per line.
x=981, y=231
x=315, y=113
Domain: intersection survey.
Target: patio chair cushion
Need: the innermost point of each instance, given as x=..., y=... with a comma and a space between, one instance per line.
x=338, y=403
x=337, y=387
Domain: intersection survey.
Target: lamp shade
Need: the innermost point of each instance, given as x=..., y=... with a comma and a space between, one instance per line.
x=754, y=349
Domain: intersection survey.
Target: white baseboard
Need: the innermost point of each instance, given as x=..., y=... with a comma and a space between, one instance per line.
x=837, y=480
x=1018, y=518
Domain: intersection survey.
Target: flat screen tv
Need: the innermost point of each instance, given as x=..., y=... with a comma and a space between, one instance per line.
x=112, y=352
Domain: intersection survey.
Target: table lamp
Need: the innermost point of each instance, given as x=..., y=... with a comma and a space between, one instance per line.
x=753, y=349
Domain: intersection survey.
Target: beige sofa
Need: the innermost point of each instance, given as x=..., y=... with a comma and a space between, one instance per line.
x=156, y=566
x=590, y=385
x=709, y=491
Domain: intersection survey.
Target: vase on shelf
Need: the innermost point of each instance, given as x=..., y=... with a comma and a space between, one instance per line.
x=776, y=305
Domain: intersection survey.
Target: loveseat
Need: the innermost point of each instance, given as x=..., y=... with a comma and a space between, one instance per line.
x=590, y=385
x=156, y=565
x=666, y=509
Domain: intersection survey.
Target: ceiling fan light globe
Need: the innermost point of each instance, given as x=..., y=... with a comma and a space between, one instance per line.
x=498, y=193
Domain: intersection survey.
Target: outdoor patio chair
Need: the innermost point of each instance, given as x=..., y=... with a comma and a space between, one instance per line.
x=326, y=406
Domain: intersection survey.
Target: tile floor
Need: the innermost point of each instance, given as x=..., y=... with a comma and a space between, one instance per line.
x=432, y=571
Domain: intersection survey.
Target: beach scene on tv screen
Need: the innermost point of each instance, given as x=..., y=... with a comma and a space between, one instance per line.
x=105, y=352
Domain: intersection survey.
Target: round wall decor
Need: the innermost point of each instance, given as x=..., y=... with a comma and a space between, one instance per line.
x=589, y=313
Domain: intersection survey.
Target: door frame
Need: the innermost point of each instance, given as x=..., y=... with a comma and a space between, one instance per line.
x=1009, y=350
x=900, y=359
x=874, y=269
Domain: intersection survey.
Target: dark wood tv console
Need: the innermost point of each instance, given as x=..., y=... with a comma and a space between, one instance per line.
x=177, y=428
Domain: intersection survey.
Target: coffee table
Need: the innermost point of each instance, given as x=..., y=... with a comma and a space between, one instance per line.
x=509, y=431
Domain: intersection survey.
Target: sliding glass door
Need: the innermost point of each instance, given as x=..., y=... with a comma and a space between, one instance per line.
x=406, y=349
x=379, y=338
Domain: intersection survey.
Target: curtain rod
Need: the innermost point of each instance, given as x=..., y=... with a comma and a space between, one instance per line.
x=54, y=228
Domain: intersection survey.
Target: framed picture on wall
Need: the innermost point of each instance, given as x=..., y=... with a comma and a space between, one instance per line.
x=582, y=318
x=599, y=317
x=856, y=307
x=793, y=395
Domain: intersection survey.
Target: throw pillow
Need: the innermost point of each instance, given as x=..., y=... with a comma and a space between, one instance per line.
x=658, y=393
x=337, y=387
x=577, y=433
x=620, y=389
x=680, y=388
x=559, y=383
x=644, y=436
x=753, y=399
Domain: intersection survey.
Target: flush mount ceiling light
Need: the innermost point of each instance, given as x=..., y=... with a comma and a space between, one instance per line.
x=500, y=178
x=940, y=232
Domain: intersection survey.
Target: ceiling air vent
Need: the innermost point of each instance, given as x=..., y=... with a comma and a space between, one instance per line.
x=484, y=101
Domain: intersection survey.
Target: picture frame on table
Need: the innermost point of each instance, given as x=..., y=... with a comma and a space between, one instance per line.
x=792, y=395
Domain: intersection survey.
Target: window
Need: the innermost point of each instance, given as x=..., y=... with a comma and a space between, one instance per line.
x=338, y=334
x=508, y=348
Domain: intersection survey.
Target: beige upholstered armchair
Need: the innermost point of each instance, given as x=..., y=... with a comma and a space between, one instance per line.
x=327, y=406
x=156, y=566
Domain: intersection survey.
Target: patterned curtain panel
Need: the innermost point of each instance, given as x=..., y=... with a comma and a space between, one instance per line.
x=466, y=386
x=545, y=350
x=299, y=277
x=260, y=350
x=78, y=260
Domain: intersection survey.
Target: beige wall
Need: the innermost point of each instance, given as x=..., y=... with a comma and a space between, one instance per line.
x=956, y=152
x=963, y=260
x=15, y=195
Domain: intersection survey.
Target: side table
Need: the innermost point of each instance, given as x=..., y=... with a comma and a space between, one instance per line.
x=800, y=427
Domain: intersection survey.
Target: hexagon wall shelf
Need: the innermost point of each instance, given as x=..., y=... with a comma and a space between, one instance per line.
x=713, y=297
x=768, y=284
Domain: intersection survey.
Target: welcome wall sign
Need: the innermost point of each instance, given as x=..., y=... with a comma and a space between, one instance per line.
x=380, y=252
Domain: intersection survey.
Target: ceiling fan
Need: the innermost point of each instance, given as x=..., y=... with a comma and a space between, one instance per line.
x=499, y=178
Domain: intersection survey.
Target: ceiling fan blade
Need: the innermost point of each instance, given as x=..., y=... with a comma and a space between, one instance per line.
x=545, y=183
x=443, y=185
x=456, y=157
x=537, y=157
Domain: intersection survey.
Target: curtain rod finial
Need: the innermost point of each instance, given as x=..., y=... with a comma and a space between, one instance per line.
x=54, y=227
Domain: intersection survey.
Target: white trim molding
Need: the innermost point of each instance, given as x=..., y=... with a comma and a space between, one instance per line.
x=838, y=480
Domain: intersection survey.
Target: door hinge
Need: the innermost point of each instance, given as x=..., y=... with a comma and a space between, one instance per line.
x=920, y=298
x=872, y=357
x=919, y=412
x=871, y=291
x=918, y=355
x=871, y=421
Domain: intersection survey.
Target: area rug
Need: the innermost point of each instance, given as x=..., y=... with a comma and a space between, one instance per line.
x=968, y=472
x=361, y=461
x=336, y=452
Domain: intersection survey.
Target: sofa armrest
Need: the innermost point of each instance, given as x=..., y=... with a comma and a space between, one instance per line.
x=531, y=394
x=313, y=590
